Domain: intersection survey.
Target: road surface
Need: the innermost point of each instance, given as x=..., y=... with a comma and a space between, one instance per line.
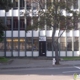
x=54, y=73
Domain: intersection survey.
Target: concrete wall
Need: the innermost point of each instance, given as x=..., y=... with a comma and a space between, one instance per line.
x=48, y=33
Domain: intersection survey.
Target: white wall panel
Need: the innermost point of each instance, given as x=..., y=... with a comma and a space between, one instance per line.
x=69, y=54
x=49, y=33
x=22, y=33
x=22, y=53
x=54, y=53
x=9, y=13
x=62, y=53
x=15, y=13
x=15, y=54
x=29, y=53
x=1, y=54
x=56, y=34
x=2, y=13
x=69, y=33
x=29, y=33
x=15, y=33
x=35, y=33
x=62, y=33
x=49, y=53
x=8, y=33
x=8, y=53
x=76, y=53
x=35, y=53
x=76, y=33
x=42, y=33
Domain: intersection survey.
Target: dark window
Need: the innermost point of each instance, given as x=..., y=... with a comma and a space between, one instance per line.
x=8, y=44
x=28, y=5
x=75, y=4
x=22, y=44
x=69, y=44
x=8, y=24
x=1, y=46
x=15, y=4
x=29, y=44
x=15, y=24
x=49, y=44
x=76, y=44
x=15, y=44
x=22, y=26
x=35, y=44
x=62, y=44
x=21, y=4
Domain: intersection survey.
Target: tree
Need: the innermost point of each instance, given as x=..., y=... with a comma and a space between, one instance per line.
x=53, y=17
x=5, y=5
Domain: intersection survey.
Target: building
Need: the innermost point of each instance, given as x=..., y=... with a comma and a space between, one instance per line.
x=19, y=43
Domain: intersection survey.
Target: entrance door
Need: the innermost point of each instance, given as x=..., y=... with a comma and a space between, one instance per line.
x=42, y=48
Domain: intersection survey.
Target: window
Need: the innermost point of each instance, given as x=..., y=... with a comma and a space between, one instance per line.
x=76, y=22
x=22, y=26
x=28, y=23
x=22, y=44
x=35, y=44
x=29, y=44
x=1, y=46
x=15, y=24
x=15, y=44
x=69, y=44
x=9, y=24
x=35, y=4
x=49, y=44
x=42, y=4
x=21, y=4
x=76, y=44
x=8, y=44
x=75, y=4
x=15, y=4
x=62, y=44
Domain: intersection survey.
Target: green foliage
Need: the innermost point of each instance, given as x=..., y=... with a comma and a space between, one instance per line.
x=53, y=16
x=2, y=28
x=3, y=59
x=5, y=5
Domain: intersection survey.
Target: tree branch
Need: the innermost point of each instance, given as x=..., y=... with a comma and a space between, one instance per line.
x=60, y=34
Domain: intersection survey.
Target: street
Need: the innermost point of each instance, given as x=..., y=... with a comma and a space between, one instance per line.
x=53, y=73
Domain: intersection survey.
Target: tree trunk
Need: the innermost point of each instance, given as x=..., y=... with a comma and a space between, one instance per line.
x=55, y=46
x=55, y=43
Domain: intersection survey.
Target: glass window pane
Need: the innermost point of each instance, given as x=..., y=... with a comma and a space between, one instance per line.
x=49, y=44
x=29, y=44
x=69, y=44
x=76, y=44
x=1, y=46
x=62, y=44
x=35, y=44
x=22, y=44
x=8, y=44
x=15, y=44
x=15, y=4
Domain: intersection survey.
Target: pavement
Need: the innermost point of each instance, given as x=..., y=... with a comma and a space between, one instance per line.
x=16, y=63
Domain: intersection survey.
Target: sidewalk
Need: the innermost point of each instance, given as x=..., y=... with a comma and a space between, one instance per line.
x=35, y=63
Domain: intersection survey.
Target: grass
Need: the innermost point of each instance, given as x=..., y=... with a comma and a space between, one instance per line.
x=71, y=58
x=3, y=59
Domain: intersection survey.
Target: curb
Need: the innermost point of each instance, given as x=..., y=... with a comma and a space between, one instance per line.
x=37, y=66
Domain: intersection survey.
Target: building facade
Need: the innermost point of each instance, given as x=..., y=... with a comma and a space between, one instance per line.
x=34, y=43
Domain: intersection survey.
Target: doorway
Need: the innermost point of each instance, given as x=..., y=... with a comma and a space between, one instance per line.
x=42, y=48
